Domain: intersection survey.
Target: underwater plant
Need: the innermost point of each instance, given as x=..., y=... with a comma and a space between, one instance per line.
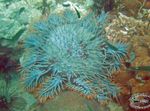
x=9, y=99
x=5, y=96
x=67, y=52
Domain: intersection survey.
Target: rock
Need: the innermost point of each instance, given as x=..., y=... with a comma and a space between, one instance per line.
x=69, y=101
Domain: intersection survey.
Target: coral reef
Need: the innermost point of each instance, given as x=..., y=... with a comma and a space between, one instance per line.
x=67, y=52
x=134, y=77
x=15, y=15
x=136, y=33
x=132, y=8
x=125, y=28
x=129, y=86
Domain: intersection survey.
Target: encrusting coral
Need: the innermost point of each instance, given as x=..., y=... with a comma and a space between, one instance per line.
x=67, y=52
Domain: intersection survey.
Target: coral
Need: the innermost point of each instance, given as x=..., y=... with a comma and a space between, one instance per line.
x=135, y=77
x=15, y=17
x=126, y=28
x=67, y=52
x=132, y=8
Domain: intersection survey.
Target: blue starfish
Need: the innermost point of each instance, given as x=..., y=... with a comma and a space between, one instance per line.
x=67, y=51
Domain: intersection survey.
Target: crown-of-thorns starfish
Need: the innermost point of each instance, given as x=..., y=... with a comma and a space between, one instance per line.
x=67, y=51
